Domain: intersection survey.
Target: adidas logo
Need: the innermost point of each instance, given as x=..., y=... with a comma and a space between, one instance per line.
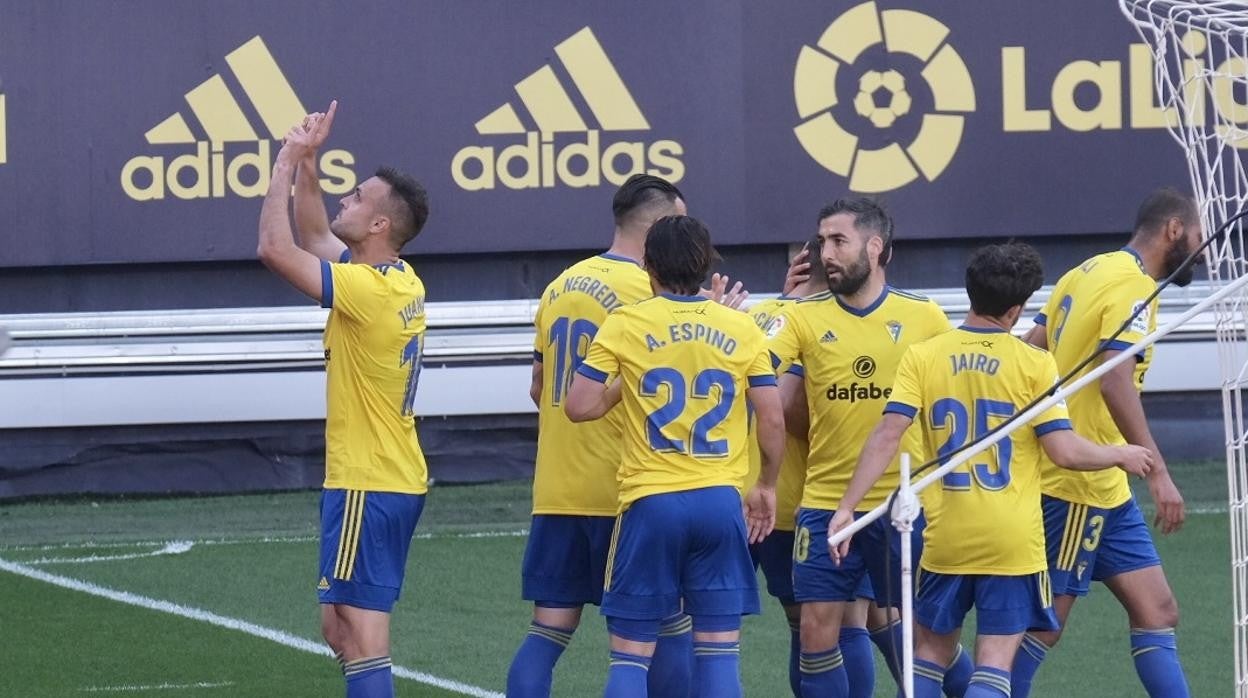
x=827, y=337
x=323, y=585
x=210, y=171
x=4, y=141
x=541, y=162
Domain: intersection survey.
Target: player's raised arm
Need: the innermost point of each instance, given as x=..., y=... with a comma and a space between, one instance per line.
x=799, y=271
x=277, y=248
x=719, y=292
x=311, y=220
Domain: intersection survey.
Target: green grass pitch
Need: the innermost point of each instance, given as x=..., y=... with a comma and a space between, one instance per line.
x=235, y=614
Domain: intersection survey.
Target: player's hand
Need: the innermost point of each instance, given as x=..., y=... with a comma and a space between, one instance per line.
x=720, y=293
x=1136, y=460
x=799, y=270
x=1171, y=511
x=760, y=513
x=318, y=125
x=840, y=520
x=303, y=139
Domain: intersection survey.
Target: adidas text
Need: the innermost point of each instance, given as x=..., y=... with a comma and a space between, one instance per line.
x=858, y=391
x=212, y=173
x=538, y=163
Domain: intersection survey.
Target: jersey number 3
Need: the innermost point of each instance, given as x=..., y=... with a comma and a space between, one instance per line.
x=677, y=394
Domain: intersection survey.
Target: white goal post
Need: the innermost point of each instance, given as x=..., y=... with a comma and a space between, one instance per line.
x=1200, y=60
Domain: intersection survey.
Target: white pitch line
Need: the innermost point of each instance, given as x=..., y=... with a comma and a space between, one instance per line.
x=172, y=548
x=272, y=634
x=95, y=545
x=155, y=687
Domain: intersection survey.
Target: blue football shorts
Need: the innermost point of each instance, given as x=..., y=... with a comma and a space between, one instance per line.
x=365, y=538
x=1004, y=605
x=565, y=560
x=874, y=552
x=1086, y=543
x=688, y=547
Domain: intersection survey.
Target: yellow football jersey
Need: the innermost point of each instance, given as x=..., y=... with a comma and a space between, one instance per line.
x=686, y=363
x=577, y=463
x=1088, y=305
x=768, y=315
x=849, y=357
x=373, y=344
x=984, y=516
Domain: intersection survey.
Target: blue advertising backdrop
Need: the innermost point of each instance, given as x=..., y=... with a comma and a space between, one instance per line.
x=144, y=132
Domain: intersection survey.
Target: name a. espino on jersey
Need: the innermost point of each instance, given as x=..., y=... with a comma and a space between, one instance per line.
x=694, y=332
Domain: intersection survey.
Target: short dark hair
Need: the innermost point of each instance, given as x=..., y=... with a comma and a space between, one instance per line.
x=818, y=272
x=679, y=253
x=869, y=215
x=1162, y=205
x=409, y=203
x=639, y=192
x=999, y=277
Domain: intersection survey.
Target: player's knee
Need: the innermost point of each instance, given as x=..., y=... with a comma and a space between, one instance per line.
x=816, y=633
x=1050, y=638
x=333, y=631
x=1168, y=612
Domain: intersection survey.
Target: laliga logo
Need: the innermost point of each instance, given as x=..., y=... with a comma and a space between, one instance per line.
x=900, y=144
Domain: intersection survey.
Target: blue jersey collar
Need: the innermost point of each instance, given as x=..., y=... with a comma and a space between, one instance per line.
x=683, y=299
x=863, y=312
x=619, y=258
x=982, y=330
x=1138, y=259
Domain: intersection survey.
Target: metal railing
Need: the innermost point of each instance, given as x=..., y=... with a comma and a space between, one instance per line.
x=252, y=338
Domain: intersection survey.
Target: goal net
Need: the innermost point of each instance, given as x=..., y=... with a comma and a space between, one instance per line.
x=1200, y=56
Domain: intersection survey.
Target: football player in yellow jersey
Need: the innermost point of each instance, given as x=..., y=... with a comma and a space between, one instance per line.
x=984, y=540
x=847, y=343
x=375, y=477
x=575, y=492
x=774, y=555
x=1094, y=527
x=682, y=368
x=863, y=622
